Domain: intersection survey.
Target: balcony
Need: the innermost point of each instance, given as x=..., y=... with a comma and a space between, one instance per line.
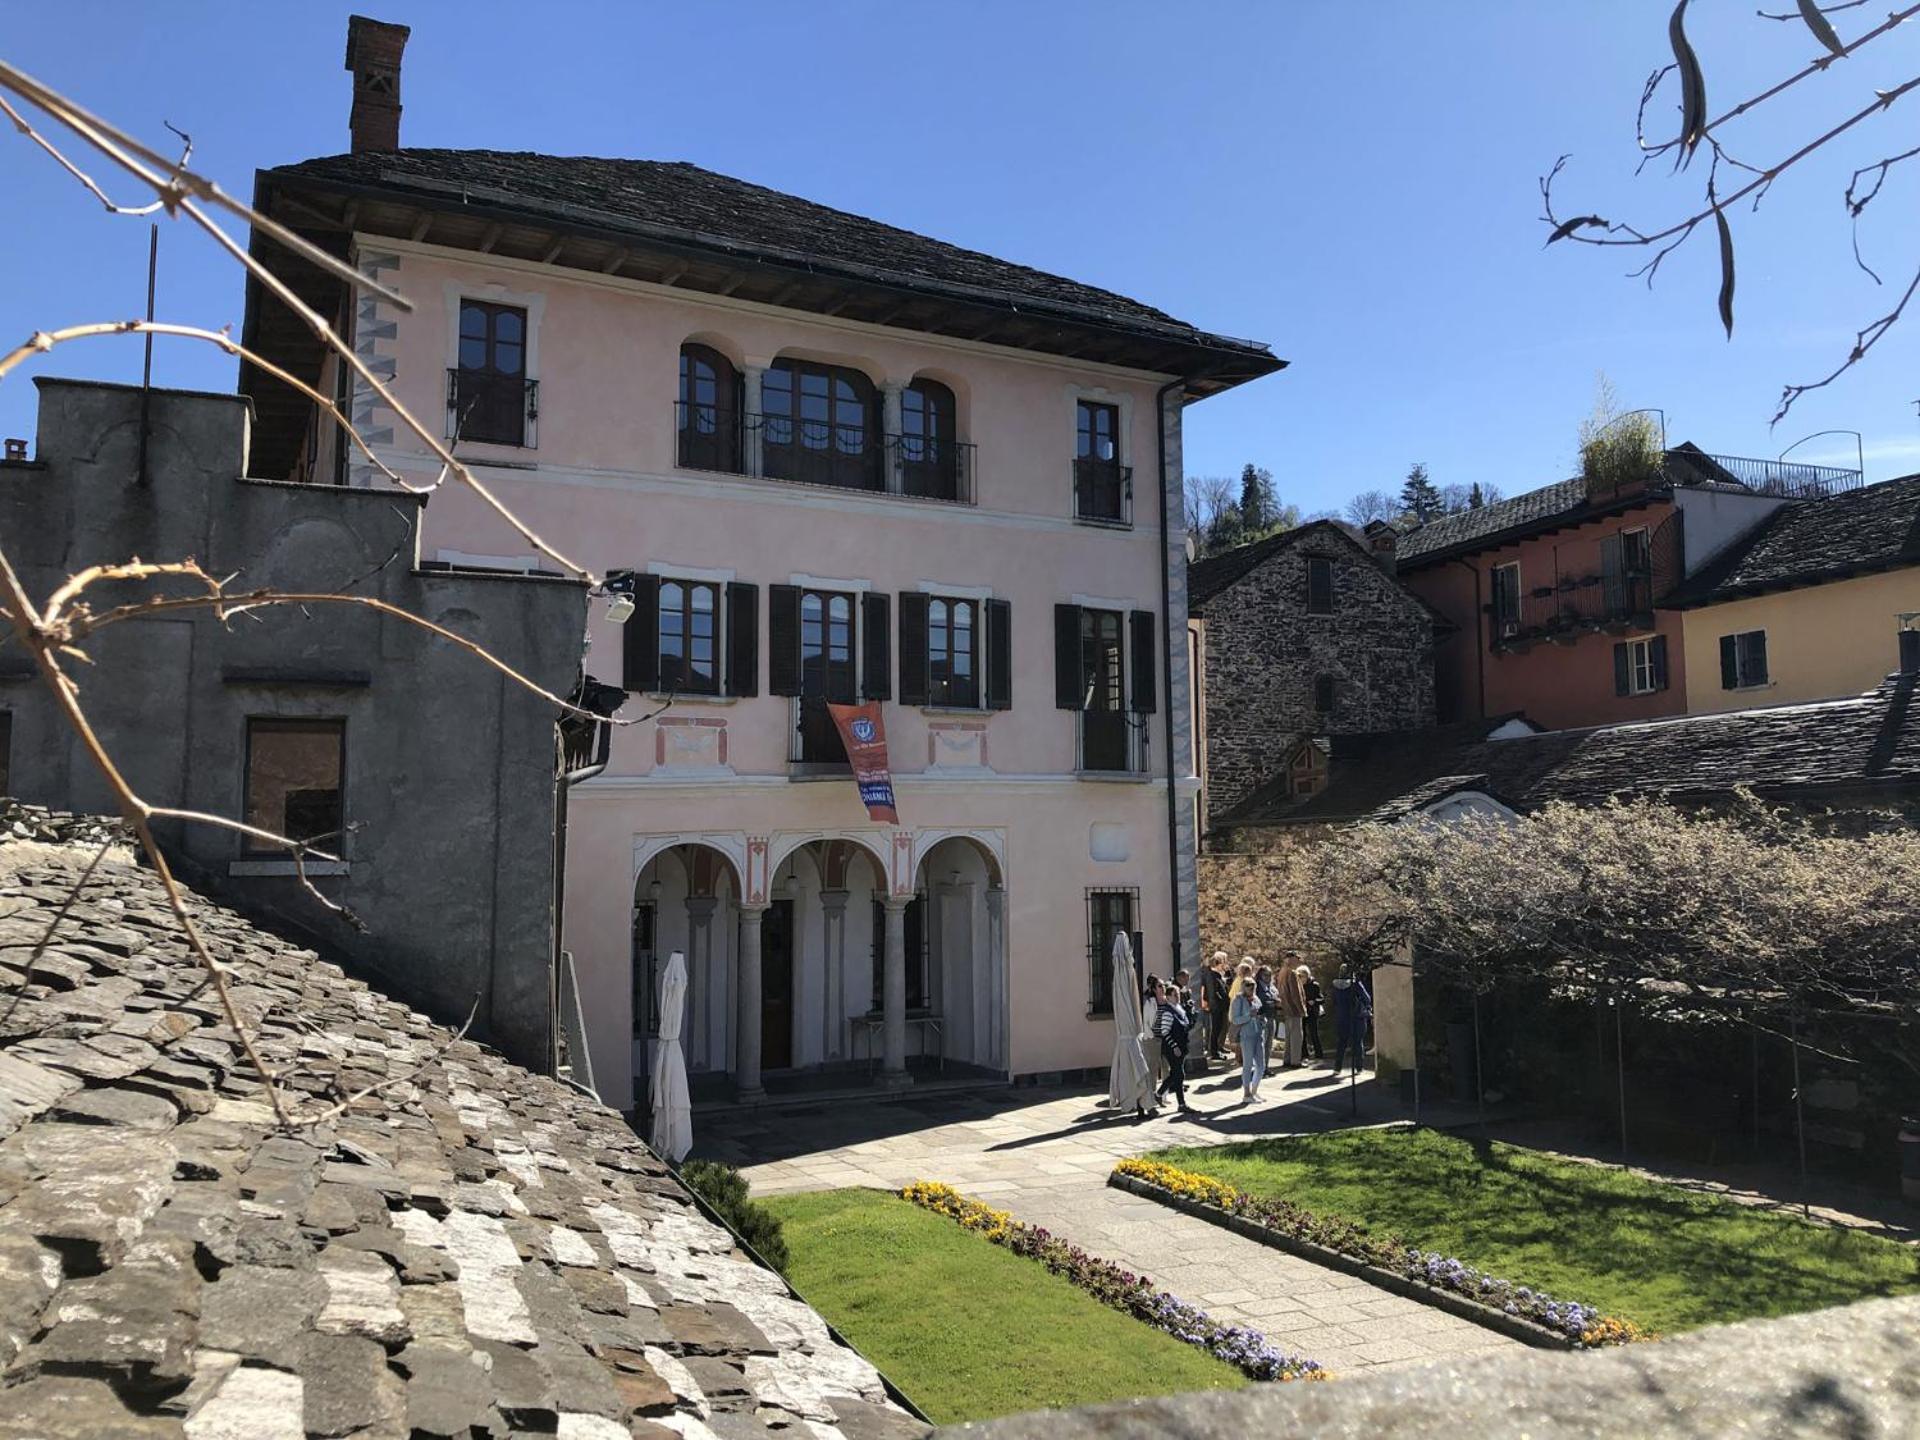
x=1688, y=465
x=1102, y=491
x=815, y=452
x=491, y=409
x=1621, y=596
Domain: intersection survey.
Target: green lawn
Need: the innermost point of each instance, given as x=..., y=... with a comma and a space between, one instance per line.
x=1655, y=1254
x=966, y=1328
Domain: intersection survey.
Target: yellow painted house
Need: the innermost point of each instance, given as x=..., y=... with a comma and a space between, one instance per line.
x=1820, y=600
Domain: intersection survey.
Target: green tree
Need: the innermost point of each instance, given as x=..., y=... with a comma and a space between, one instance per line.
x=1474, y=498
x=1259, y=508
x=1420, y=497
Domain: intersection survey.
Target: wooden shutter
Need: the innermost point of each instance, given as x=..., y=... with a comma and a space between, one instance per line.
x=1753, y=657
x=913, y=648
x=876, y=649
x=743, y=638
x=1657, y=655
x=640, y=638
x=1069, y=663
x=1729, y=662
x=1145, y=672
x=783, y=640
x=999, y=655
x=1622, y=670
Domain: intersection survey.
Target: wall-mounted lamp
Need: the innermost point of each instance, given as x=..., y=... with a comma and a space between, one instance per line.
x=618, y=587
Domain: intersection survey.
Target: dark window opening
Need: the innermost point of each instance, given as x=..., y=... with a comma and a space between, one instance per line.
x=818, y=426
x=1103, y=715
x=1319, y=585
x=295, y=772
x=1099, y=480
x=1109, y=913
x=708, y=415
x=916, y=948
x=491, y=396
x=1323, y=693
x=953, y=653
x=826, y=673
x=929, y=441
x=1743, y=660
x=689, y=614
x=1506, y=600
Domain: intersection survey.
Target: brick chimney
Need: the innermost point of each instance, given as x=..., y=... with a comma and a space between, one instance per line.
x=374, y=48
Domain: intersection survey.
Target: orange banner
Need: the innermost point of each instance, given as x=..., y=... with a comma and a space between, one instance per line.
x=865, y=736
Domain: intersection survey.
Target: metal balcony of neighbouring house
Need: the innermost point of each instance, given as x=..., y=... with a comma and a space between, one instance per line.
x=1102, y=491
x=1784, y=479
x=490, y=408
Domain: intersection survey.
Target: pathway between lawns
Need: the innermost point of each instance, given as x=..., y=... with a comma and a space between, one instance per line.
x=1045, y=1155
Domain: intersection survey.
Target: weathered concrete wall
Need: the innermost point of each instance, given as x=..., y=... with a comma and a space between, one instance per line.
x=1848, y=1374
x=1264, y=653
x=449, y=767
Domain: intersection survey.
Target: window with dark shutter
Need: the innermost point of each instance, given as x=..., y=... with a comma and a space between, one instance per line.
x=743, y=639
x=640, y=638
x=1622, y=678
x=1729, y=662
x=1657, y=658
x=1145, y=692
x=783, y=640
x=1069, y=669
x=1743, y=660
x=1319, y=585
x=689, y=636
x=913, y=648
x=999, y=655
x=877, y=649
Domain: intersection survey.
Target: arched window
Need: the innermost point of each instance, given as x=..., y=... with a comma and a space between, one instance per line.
x=952, y=676
x=820, y=425
x=708, y=415
x=689, y=637
x=930, y=452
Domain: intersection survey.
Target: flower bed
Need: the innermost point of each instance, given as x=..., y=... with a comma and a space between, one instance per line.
x=1567, y=1321
x=1247, y=1350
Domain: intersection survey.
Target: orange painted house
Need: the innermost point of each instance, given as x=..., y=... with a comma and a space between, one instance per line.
x=1556, y=594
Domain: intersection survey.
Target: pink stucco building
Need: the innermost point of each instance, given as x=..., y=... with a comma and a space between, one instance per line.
x=839, y=461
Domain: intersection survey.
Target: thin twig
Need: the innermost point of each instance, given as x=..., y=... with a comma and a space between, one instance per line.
x=53, y=925
x=439, y=1051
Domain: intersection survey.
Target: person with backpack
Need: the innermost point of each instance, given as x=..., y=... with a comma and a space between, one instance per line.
x=1352, y=1010
x=1174, y=1026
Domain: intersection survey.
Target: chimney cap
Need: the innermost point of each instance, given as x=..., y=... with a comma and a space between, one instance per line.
x=363, y=29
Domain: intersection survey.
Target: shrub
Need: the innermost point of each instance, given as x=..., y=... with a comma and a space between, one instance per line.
x=722, y=1187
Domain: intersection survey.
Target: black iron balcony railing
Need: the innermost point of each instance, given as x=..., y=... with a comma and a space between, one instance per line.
x=1576, y=605
x=491, y=409
x=1102, y=491
x=814, y=452
x=1787, y=479
x=933, y=469
x=710, y=438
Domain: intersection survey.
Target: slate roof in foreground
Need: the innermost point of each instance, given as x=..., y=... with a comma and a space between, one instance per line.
x=1868, y=743
x=478, y=1251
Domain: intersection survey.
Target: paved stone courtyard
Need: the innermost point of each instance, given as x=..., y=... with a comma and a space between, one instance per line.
x=1044, y=1154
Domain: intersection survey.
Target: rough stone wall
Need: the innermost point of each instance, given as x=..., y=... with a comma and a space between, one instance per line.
x=1264, y=653
x=449, y=767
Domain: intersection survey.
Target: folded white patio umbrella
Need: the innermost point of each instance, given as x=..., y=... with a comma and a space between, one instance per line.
x=1130, y=1085
x=672, y=1135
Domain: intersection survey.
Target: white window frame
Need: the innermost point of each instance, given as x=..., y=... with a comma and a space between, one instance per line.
x=856, y=591
x=1123, y=403
x=722, y=627
x=1640, y=666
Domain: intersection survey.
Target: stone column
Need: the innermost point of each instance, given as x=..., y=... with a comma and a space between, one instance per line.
x=890, y=428
x=833, y=907
x=746, y=1012
x=700, y=987
x=997, y=975
x=752, y=453
x=893, y=992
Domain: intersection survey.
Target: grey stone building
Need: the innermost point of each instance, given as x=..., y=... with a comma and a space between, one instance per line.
x=434, y=776
x=1299, y=637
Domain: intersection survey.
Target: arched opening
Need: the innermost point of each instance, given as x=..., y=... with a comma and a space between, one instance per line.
x=962, y=930
x=685, y=898
x=820, y=424
x=930, y=448
x=707, y=416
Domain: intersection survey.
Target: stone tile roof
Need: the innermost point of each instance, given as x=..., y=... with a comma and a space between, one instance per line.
x=477, y=1251
x=1870, y=742
x=1473, y=528
x=675, y=201
x=1807, y=542
x=1207, y=578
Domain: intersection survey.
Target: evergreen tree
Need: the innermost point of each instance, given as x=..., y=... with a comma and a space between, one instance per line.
x=1474, y=498
x=1259, y=509
x=1420, y=497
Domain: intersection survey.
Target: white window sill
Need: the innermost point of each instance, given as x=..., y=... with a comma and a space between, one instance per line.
x=978, y=712
x=680, y=699
x=1113, y=777
x=287, y=867
x=1757, y=685
x=1099, y=523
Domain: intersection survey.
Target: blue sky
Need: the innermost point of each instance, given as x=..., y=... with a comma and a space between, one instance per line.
x=1354, y=184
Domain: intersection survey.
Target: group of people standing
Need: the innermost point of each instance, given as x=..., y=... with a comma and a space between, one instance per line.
x=1248, y=1010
